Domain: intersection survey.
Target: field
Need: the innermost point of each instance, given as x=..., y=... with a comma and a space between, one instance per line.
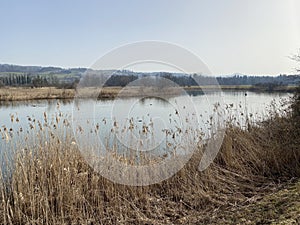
x=253, y=180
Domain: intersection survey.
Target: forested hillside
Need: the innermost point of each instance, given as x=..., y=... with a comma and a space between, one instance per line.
x=36, y=76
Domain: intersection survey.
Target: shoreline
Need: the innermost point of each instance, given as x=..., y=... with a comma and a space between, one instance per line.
x=48, y=93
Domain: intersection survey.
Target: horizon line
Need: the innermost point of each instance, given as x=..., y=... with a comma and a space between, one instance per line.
x=149, y=71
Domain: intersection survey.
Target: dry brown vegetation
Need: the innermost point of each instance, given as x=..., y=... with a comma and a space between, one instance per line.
x=22, y=94
x=52, y=184
x=26, y=93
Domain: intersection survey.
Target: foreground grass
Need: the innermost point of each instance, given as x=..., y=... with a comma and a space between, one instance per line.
x=282, y=206
x=249, y=182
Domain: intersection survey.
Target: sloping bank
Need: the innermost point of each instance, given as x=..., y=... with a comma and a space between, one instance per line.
x=249, y=182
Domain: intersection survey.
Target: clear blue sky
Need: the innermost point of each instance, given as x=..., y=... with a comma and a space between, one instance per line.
x=230, y=36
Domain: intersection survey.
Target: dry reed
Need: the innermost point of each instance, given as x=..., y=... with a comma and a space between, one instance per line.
x=50, y=182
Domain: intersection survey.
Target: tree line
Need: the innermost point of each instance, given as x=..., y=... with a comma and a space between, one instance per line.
x=123, y=79
x=29, y=80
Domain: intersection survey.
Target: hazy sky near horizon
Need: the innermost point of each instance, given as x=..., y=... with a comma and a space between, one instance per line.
x=230, y=36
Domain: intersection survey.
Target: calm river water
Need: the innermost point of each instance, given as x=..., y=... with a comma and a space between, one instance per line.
x=132, y=119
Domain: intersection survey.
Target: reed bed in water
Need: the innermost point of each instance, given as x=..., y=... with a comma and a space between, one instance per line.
x=47, y=181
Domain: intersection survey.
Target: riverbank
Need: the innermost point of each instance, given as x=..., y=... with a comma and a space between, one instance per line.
x=289, y=89
x=24, y=94
x=44, y=93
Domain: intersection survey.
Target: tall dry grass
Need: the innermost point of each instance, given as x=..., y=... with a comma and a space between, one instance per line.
x=25, y=94
x=50, y=182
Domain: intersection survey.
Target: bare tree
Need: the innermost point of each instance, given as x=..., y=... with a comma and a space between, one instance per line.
x=296, y=58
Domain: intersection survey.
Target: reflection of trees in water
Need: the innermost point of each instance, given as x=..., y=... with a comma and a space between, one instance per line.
x=49, y=104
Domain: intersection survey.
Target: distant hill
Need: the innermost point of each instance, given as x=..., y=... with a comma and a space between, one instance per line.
x=15, y=75
x=37, y=69
x=27, y=69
